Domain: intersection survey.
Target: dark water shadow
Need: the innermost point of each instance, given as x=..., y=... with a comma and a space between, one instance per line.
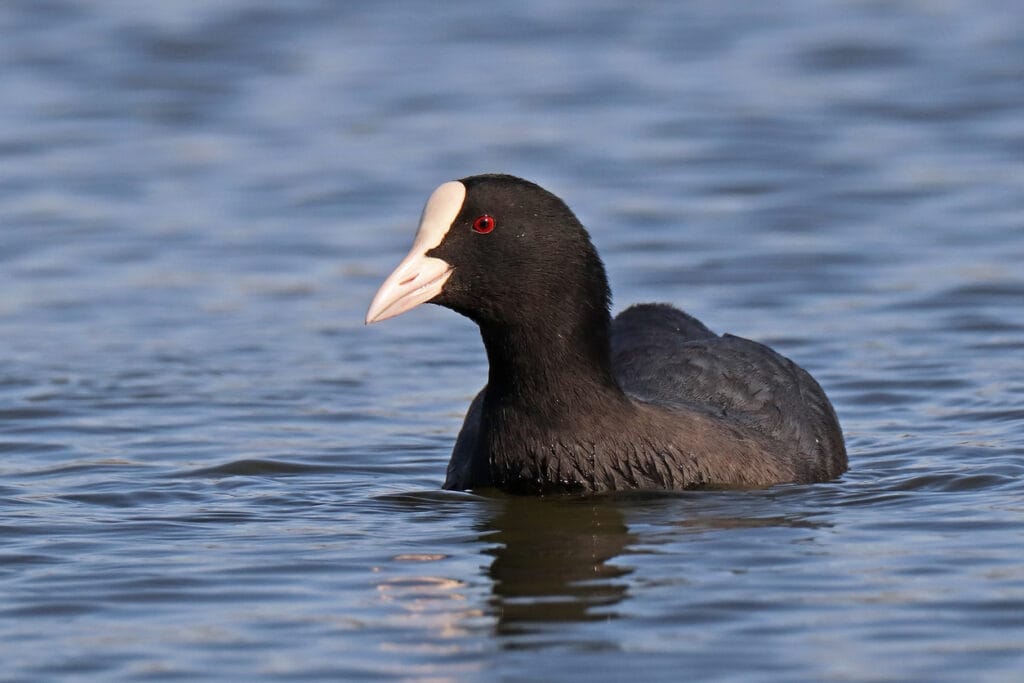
x=555, y=560
x=552, y=563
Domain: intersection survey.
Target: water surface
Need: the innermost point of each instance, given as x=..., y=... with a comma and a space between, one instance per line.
x=209, y=469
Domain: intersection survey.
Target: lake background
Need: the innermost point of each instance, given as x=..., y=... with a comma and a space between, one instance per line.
x=210, y=469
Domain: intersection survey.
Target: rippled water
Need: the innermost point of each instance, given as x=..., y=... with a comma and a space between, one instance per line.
x=210, y=469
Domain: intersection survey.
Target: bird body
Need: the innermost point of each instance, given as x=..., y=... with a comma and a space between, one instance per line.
x=578, y=402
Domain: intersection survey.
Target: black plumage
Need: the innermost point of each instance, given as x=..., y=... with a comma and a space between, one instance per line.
x=577, y=402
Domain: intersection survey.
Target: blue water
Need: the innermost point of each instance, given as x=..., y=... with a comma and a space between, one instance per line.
x=210, y=469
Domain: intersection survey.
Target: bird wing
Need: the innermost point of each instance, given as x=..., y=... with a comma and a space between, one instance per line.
x=690, y=367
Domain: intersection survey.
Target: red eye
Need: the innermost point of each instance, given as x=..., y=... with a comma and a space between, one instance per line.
x=484, y=224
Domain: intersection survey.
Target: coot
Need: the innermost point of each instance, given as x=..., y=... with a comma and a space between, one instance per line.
x=578, y=402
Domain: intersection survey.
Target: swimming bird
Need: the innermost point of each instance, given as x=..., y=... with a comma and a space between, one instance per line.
x=576, y=402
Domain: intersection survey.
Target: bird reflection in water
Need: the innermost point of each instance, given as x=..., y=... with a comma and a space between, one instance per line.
x=552, y=562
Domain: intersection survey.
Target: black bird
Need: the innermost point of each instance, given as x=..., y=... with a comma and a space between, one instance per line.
x=578, y=402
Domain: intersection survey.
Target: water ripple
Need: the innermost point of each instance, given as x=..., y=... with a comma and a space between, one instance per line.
x=210, y=469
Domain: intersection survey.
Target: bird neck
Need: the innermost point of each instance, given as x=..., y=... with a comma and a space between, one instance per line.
x=555, y=370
